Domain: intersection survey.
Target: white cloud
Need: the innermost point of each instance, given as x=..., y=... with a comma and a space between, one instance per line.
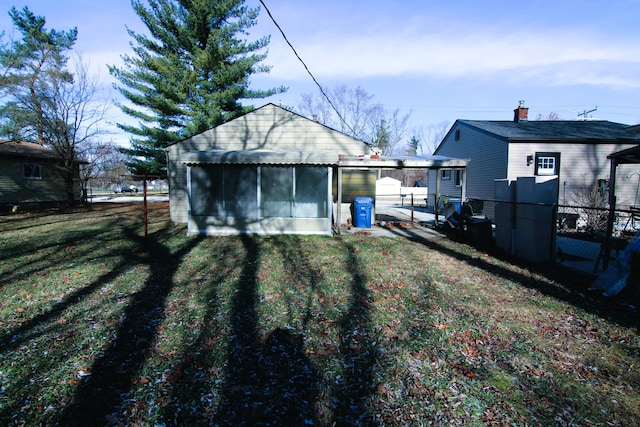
x=547, y=55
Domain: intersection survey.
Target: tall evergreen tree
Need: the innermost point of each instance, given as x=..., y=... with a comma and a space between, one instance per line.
x=31, y=67
x=188, y=75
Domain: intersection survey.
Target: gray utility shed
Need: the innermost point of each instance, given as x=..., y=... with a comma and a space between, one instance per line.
x=269, y=171
x=574, y=150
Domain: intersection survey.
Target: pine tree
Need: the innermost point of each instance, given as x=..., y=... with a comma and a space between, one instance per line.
x=188, y=75
x=31, y=67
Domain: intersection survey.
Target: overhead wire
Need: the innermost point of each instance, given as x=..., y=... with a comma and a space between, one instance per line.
x=324, y=94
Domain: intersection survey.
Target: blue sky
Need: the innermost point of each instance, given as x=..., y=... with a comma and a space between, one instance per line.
x=438, y=60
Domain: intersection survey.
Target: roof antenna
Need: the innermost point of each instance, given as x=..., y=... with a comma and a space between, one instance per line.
x=585, y=112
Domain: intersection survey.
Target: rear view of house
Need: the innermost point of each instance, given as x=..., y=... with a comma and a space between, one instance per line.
x=269, y=171
x=574, y=150
x=29, y=174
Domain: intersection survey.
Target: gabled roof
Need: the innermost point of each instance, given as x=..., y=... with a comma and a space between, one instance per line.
x=273, y=127
x=556, y=130
x=271, y=135
x=26, y=149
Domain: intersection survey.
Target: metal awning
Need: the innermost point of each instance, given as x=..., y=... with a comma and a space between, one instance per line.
x=270, y=157
x=259, y=157
x=402, y=162
x=328, y=158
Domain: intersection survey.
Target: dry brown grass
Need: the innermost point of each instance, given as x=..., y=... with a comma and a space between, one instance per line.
x=100, y=325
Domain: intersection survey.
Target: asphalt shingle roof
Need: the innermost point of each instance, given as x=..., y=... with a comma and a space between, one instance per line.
x=556, y=130
x=26, y=149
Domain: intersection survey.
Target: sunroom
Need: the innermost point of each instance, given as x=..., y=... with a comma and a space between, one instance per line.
x=259, y=191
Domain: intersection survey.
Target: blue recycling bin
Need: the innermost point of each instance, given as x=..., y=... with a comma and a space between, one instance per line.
x=362, y=207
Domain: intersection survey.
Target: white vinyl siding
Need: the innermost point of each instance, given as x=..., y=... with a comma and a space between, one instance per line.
x=581, y=165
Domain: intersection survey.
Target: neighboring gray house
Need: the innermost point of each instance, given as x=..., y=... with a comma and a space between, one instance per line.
x=574, y=150
x=29, y=174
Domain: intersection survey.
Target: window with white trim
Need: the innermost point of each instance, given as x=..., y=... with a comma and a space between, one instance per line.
x=547, y=164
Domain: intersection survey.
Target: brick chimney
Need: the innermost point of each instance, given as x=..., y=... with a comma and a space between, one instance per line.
x=521, y=114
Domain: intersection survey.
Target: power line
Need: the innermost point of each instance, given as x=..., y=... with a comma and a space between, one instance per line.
x=307, y=68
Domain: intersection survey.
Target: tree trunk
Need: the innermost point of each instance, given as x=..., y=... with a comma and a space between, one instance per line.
x=68, y=183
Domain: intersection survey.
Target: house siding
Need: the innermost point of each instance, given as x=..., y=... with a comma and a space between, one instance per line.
x=269, y=127
x=493, y=156
x=488, y=156
x=580, y=165
x=15, y=189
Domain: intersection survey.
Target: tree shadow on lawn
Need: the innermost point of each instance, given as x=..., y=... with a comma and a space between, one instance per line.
x=270, y=382
x=570, y=287
x=55, y=323
x=102, y=392
x=269, y=378
x=357, y=353
x=26, y=221
x=25, y=331
x=29, y=256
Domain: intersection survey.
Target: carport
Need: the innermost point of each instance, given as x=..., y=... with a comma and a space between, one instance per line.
x=401, y=162
x=624, y=157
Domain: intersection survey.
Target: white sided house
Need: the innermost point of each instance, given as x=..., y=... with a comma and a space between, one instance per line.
x=574, y=150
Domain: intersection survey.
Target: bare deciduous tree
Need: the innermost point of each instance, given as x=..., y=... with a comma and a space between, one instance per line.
x=72, y=115
x=105, y=164
x=591, y=199
x=551, y=116
x=357, y=114
x=430, y=137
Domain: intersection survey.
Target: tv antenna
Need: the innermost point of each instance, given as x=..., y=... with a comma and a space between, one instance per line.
x=585, y=112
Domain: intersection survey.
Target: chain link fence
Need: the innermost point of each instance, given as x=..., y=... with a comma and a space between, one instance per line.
x=572, y=236
x=582, y=236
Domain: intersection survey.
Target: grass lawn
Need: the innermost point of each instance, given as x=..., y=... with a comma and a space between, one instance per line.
x=99, y=326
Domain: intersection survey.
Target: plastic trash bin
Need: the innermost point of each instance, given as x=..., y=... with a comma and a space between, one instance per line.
x=362, y=207
x=480, y=232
